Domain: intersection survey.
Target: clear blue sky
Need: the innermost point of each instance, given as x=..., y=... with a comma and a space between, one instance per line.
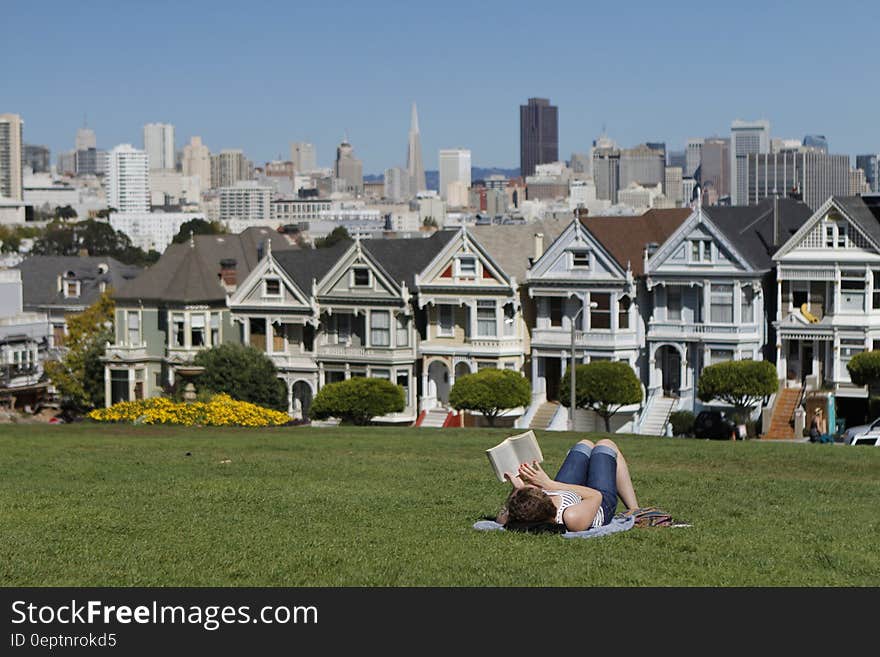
x=257, y=74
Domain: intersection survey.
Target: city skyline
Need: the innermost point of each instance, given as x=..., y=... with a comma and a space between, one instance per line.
x=684, y=95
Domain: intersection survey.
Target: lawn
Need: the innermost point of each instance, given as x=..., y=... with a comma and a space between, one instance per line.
x=105, y=505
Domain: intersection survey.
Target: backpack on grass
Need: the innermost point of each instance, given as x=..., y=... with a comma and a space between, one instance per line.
x=650, y=516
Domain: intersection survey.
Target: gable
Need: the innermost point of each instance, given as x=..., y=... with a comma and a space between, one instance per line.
x=696, y=247
x=268, y=285
x=358, y=275
x=832, y=230
x=463, y=263
x=576, y=254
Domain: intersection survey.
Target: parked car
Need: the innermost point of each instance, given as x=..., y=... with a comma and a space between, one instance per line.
x=863, y=434
x=713, y=424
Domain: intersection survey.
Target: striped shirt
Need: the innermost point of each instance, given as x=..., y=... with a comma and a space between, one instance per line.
x=570, y=498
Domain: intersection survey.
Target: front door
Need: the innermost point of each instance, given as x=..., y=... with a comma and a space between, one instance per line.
x=552, y=377
x=670, y=364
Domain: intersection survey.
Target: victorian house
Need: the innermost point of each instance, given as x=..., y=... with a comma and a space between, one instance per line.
x=828, y=310
x=178, y=307
x=709, y=287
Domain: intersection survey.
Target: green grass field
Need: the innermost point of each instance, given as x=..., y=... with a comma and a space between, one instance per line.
x=92, y=505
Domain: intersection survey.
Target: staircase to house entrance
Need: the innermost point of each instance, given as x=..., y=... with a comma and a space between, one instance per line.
x=435, y=418
x=654, y=423
x=781, y=422
x=543, y=415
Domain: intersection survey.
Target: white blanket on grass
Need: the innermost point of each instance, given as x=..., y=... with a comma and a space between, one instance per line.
x=620, y=523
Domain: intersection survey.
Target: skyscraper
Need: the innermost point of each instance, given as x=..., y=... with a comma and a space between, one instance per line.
x=197, y=161
x=349, y=169
x=159, y=145
x=85, y=139
x=228, y=167
x=302, y=154
x=128, y=179
x=11, y=142
x=715, y=168
x=455, y=167
x=606, y=173
x=641, y=164
x=538, y=135
x=693, y=156
x=746, y=137
x=812, y=174
x=414, y=166
x=870, y=164
x=37, y=158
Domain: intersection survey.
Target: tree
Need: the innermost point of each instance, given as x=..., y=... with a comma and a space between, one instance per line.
x=79, y=376
x=98, y=238
x=740, y=383
x=357, y=400
x=602, y=386
x=197, y=227
x=490, y=391
x=65, y=213
x=244, y=373
x=864, y=370
x=338, y=234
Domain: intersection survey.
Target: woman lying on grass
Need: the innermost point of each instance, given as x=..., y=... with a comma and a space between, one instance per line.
x=583, y=495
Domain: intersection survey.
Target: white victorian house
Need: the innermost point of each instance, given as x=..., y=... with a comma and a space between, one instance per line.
x=829, y=300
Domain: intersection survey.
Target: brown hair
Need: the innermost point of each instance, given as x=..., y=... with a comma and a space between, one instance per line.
x=530, y=505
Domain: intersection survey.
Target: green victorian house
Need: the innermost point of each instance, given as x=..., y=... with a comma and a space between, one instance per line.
x=178, y=307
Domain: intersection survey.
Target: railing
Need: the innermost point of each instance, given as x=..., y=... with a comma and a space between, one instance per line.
x=675, y=328
x=373, y=352
x=562, y=337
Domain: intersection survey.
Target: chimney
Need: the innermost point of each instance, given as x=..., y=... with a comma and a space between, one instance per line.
x=539, y=246
x=227, y=272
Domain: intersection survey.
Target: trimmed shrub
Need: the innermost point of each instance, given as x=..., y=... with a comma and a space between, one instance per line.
x=490, y=391
x=357, y=400
x=242, y=372
x=740, y=383
x=603, y=386
x=682, y=423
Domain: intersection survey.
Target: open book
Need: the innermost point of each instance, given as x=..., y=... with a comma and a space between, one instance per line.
x=513, y=450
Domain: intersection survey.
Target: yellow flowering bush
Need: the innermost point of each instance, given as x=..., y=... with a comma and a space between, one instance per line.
x=221, y=411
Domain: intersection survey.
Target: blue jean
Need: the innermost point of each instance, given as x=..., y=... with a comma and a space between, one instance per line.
x=593, y=467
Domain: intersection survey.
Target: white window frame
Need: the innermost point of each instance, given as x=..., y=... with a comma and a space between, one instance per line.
x=440, y=311
x=354, y=272
x=712, y=304
x=172, y=332
x=380, y=330
x=266, y=293
x=581, y=253
x=484, y=305
x=704, y=248
x=459, y=270
x=77, y=285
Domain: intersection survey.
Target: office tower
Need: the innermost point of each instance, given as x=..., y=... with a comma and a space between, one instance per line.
x=810, y=174
x=606, y=173
x=37, y=158
x=746, y=137
x=128, y=179
x=349, y=170
x=642, y=165
x=86, y=162
x=715, y=169
x=11, y=142
x=581, y=165
x=302, y=154
x=672, y=185
x=414, y=166
x=396, y=184
x=677, y=159
x=247, y=200
x=67, y=163
x=228, y=167
x=870, y=164
x=538, y=135
x=197, y=162
x=858, y=185
x=659, y=146
x=818, y=142
x=85, y=139
x=693, y=156
x=159, y=145
x=688, y=186
x=455, y=167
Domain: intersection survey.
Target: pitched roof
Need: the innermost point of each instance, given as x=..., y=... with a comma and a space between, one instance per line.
x=752, y=229
x=190, y=272
x=306, y=265
x=865, y=215
x=512, y=245
x=625, y=237
x=39, y=279
x=403, y=258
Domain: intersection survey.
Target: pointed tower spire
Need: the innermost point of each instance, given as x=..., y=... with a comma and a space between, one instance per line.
x=414, y=167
